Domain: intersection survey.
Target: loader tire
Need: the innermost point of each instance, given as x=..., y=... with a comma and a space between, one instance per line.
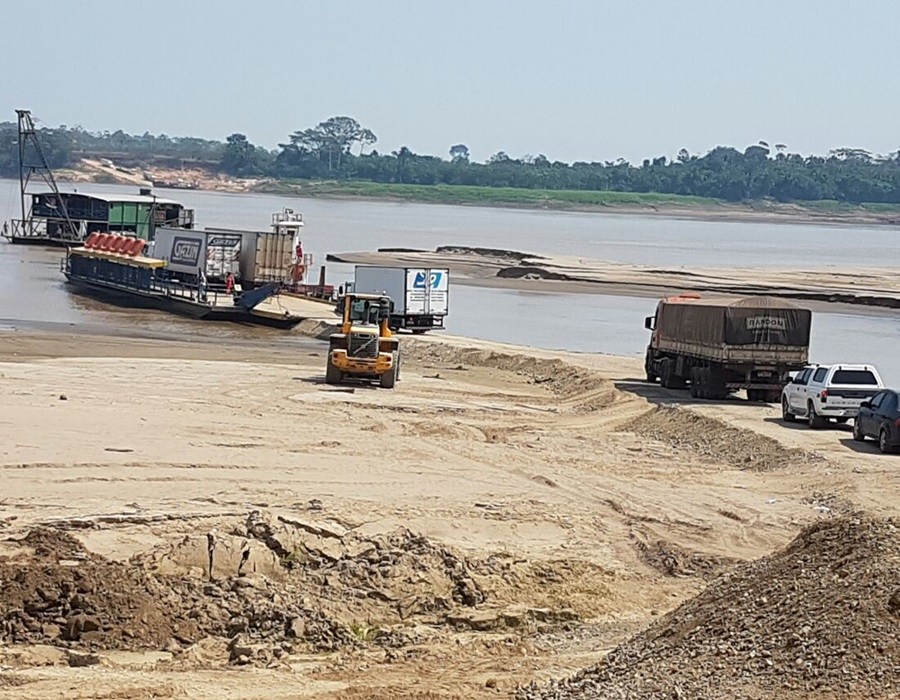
x=332, y=374
x=387, y=380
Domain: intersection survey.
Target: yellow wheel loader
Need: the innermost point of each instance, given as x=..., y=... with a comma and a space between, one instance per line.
x=365, y=348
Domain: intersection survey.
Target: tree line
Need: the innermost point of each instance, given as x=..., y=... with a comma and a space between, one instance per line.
x=340, y=148
x=63, y=146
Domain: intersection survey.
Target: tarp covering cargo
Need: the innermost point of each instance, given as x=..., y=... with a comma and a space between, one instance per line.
x=718, y=321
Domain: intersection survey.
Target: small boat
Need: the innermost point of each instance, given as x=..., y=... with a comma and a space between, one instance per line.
x=178, y=184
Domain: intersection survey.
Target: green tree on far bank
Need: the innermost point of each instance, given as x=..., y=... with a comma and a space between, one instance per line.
x=242, y=159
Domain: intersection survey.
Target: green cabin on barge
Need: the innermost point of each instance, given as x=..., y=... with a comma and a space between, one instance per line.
x=70, y=217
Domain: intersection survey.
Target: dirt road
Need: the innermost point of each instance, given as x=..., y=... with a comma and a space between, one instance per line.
x=503, y=516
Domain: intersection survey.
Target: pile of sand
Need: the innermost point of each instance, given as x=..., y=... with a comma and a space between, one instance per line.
x=581, y=388
x=819, y=618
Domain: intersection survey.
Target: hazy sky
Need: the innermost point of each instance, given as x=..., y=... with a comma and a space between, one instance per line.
x=589, y=80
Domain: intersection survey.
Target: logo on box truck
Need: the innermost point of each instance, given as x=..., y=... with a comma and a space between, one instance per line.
x=185, y=251
x=433, y=282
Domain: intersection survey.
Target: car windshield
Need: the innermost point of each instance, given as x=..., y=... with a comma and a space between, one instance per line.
x=854, y=376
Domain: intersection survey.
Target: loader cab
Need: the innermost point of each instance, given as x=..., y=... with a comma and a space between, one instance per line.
x=367, y=310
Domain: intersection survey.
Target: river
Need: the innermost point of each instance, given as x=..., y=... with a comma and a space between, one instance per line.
x=32, y=289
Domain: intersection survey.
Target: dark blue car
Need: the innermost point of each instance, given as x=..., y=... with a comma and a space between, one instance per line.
x=879, y=418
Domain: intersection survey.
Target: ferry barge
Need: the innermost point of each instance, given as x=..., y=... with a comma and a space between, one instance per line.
x=170, y=275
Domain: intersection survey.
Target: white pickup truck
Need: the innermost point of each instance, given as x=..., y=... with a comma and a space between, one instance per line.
x=820, y=393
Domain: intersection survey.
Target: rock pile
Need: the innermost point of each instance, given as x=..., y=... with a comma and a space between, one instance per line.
x=384, y=579
x=819, y=618
x=274, y=586
x=63, y=594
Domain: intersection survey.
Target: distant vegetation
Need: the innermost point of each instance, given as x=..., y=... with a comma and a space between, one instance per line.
x=488, y=196
x=338, y=149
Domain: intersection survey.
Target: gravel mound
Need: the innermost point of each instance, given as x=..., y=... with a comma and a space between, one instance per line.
x=710, y=438
x=820, y=618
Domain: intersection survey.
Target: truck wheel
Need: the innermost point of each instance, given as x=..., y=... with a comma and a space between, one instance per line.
x=669, y=379
x=772, y=396
x=695, y=382
x=648, y=368
x=332, y=374
x=813, y=419
x=752, y=395
x=665, y=372
x=786, y=414
x=858, y=433
x=714, y=384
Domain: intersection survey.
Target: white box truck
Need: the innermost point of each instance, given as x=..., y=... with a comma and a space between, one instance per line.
x=421, y=295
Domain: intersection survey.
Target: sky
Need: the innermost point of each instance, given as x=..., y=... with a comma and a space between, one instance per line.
x=595, y=80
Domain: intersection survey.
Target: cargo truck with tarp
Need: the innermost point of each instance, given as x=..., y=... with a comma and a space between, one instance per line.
x=716, y=345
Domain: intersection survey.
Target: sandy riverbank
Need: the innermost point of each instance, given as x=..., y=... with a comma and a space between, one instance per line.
x=878, y=288
x=505, y=515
